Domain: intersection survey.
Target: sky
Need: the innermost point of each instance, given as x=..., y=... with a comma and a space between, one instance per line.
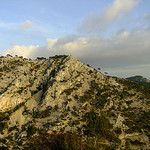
x=113, y=35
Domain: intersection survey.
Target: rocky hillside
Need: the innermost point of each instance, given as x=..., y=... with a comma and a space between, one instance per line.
x=61, y=103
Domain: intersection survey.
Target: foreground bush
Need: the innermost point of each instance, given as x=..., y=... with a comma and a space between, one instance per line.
x=55, y=141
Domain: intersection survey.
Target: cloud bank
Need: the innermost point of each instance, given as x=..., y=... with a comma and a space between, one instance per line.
x=97, y=23
x=122, y=49
x=26, y=25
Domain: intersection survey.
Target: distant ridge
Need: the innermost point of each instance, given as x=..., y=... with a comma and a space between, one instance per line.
x=140, y=79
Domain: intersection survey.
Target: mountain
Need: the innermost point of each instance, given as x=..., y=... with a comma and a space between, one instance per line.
x=61, y=103
x=139, y=79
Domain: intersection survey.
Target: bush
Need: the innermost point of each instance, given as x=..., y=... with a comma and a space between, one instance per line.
x=31, y=129
x=127, y=144
x=55, y=141
x=69, y=91
x=137, y=122
x=86, y=97
x=18, y=106
x=3, y=125
x=4, y=116
x=118, y=130
x=136, y=142
x=46, y=112
x=55, y=108
x=74, y=113
x=97, y=124
x=3, y=148
x=100, y=127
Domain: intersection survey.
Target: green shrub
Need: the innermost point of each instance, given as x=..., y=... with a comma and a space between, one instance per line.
x=45, y=113
x=79, y=85
x=86, y=97
x=137, y=122
x=97, y=123
x=55, y=108
x=99, y=126
x=31, y=129
x=3, y=125
x=53, y=73
x=18, y=106
x=74, y=113
x=20, y=90
x=55, y=141
x=3, y=148
x=118, y=130
x=4, y=116
x=136, y=142
x=127, y=144
x=12, y=128
x=69, y=91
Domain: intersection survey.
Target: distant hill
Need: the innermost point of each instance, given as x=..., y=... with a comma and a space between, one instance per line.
x=140, y=79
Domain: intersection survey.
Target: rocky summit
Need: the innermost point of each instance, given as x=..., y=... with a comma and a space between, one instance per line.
x=62, y=104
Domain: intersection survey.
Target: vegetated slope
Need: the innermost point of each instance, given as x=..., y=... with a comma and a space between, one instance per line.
x=139, y=79
x=61, y=103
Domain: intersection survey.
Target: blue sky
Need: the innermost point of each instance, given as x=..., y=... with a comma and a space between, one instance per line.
x=111, y=34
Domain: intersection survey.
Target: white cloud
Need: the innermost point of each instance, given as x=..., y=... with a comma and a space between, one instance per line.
x=26, y=25
x=25, y=51
x=118, y=9
x=121, y=49
x=99, y=22
x=51, y=43
x=115, y=54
